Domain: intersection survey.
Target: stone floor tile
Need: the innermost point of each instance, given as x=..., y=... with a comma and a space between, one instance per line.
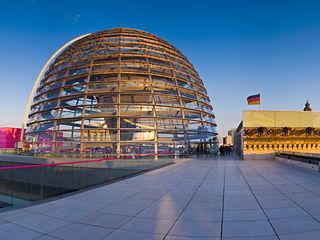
x=192, y=190
x=136, y=202
x=84, y=205
x=170, y=204
x=275, y=213
x=148, y=225
x=247, y=229
x=281, y=203
x=17, y=215
x=190, y=238
x=312, y=209
x=43, y=224
x=68, y=214
x=104, y=220
x=160, y=212
x=295, y=225
x=201, y=215
x=47, y=237
x=241, y=205
x=243, y=215
x=194, y=205
x=196, y=229
x=122, y=235
x=299, y=195
x=11, y=231
x=301, y=236
x=150, y=196
x=42, y=208
x=77, y=231
x=204, y=198
x=266, y=197
x=271, y=237
x=126, y=210
x=2, y=222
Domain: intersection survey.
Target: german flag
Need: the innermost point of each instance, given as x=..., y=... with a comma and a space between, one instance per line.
x=254, y=99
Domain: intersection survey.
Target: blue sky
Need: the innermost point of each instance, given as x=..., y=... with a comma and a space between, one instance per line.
x=239, y=47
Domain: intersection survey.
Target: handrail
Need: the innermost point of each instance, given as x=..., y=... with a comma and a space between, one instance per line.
x=300, y=154
x=300, y=157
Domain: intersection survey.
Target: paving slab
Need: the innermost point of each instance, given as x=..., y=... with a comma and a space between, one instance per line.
x=298, y=236
x=295, y=225
x=201, y=215
x=271, y=237
x=16, y=215
x=47, y=237
x=148, y=225
x=68, y=214
x=170, y=213
x=247, y=229
x=11, y=231
x=104, y=220
x=196, y=229
x=122, y=235
x=77, y=231
x=43, y=224
x=202, y=198
x=243, y=215
x=190, y=238
x=286, y=213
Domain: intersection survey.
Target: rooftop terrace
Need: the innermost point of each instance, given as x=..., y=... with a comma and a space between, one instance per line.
x=193, y=199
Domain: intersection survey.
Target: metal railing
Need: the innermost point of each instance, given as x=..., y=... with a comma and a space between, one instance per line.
x=304, y=160
x=309, y=158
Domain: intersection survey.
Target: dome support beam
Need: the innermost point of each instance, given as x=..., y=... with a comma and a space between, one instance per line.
x=119, y=92
x=25, y=115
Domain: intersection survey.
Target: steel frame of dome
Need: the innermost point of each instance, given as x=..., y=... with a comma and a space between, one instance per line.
x=120, y=91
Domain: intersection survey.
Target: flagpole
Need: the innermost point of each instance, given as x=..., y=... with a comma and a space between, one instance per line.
x=259, y=102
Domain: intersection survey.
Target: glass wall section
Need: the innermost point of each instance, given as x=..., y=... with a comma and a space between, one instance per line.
x=120, y=91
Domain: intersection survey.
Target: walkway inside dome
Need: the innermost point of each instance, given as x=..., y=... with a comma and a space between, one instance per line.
x=203, y=198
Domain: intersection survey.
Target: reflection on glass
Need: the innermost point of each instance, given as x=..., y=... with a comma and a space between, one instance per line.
x=123, y=90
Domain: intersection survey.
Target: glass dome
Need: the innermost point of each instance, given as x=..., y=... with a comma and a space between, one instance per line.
x=120, y=91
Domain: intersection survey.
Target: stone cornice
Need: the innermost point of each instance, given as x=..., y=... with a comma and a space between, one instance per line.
x=284, y=132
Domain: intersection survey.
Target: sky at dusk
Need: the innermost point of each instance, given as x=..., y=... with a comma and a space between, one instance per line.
x=239, y=48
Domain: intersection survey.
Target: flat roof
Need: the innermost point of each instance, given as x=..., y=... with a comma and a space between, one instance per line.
x=140, y=210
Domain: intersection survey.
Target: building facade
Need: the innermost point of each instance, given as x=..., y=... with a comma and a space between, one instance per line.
x=9, y=137
x=262, y=133
x=120, y=91
x=227, y=140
